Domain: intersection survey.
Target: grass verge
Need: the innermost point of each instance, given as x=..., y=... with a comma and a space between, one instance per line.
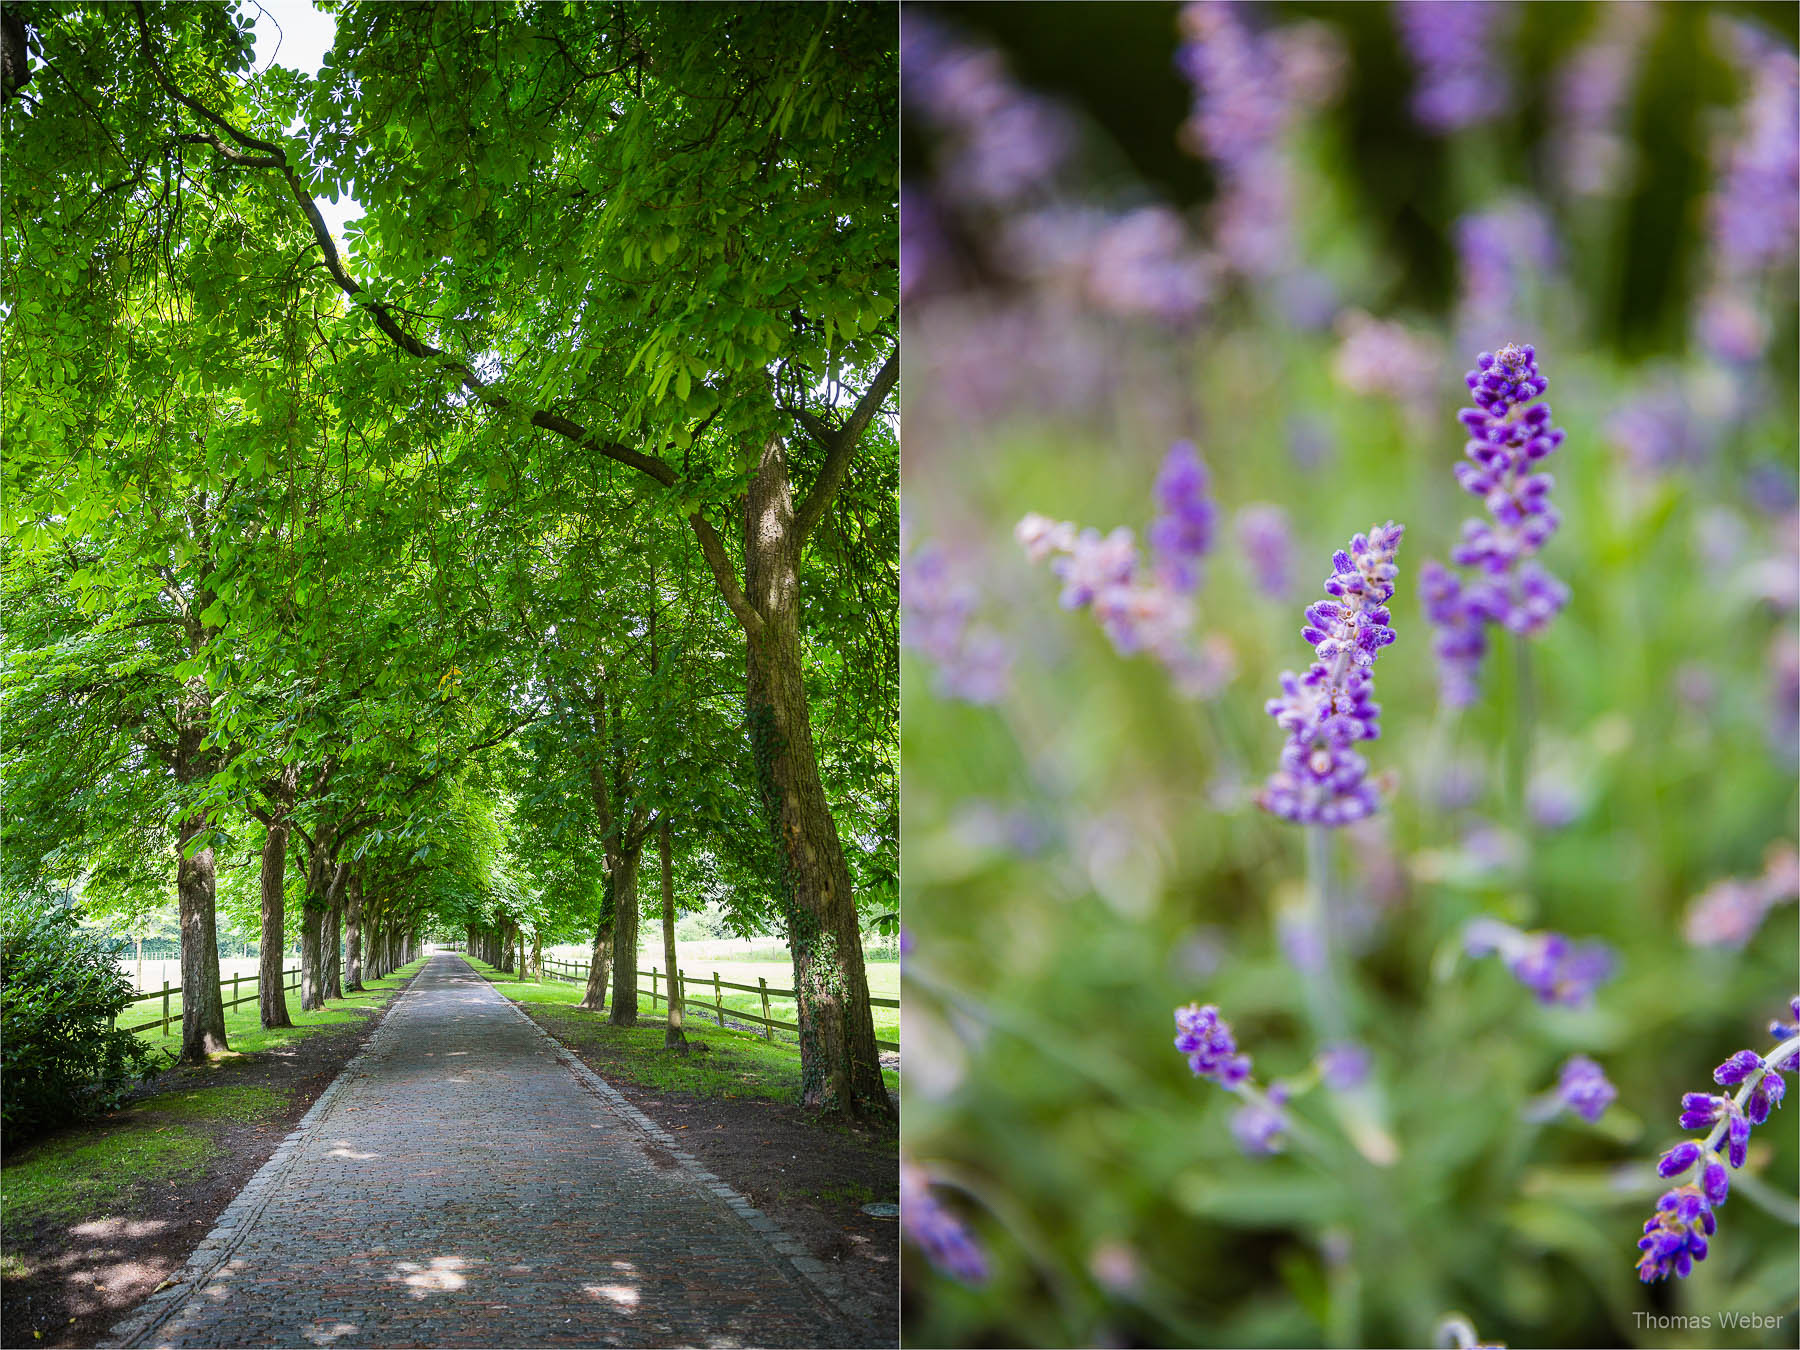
x=719, y=1065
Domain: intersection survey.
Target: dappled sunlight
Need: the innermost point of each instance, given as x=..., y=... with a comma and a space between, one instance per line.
x=443, y=1275
x=322, y=1333
x=115, y=1229
x=342, y=1149
x=620, y=1295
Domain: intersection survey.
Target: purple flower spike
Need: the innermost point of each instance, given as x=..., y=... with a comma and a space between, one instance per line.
x=1182, y=532
x=1584, y=1089
x=1673, y=1239
x=1510, y=437
x=1322, y=780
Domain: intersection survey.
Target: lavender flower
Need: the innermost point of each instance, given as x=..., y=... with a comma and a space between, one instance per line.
x=1677, y=1235
x=1453, y=46
x=1267, y=543
x=1556, y=969
x=936, y=1231
x=1182, y=532
x=1583, y=1088
x=1510, y=437
x=1322, y=780
x=937, y=608
x=1210, y=1048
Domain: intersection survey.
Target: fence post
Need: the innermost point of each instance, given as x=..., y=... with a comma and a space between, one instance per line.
x=234, y=988
x=165, y=1029
x=768, y=1028
x=718, y=1002
x=653, y=986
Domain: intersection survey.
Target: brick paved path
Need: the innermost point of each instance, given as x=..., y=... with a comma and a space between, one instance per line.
x=459, y=1185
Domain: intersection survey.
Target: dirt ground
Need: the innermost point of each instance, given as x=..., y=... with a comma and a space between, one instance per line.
x=812, y=1179
x=85, y=1277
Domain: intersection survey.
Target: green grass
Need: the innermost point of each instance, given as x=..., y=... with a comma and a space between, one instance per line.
x=13, y=1267
x=78, y=1176
x=237, y=1104
x=728, y=1065
x=243, y=1024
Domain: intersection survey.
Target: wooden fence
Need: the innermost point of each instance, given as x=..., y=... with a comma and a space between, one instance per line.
x=718, y=1009
x=234, y=982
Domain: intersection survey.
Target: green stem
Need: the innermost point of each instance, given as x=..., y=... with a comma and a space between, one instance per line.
x=1519, y=743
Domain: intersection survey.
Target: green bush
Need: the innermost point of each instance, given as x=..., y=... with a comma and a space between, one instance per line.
x=59, y=993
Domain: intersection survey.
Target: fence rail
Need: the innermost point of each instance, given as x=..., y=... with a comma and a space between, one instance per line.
x=236, y=981
x=717, y=1007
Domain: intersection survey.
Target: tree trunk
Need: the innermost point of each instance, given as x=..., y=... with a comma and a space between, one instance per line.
x=271, y=994
x=313, y=944
x=840, y=1067
x=624, y=868
x=594, y=1000
x=202, y=1006
x=537, y=956
x=333, y=960
x=353, y=931
x=674, y=1038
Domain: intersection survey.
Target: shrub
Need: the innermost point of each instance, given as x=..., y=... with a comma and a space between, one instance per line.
x=59, y=993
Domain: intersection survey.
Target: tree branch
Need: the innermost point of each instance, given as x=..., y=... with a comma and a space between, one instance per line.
x=841, y=446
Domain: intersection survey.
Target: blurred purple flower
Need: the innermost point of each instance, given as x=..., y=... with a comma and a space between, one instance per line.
x=1590, y=144
x=1000, y=142
x=1728, y=913
x=1755, y=207
x=1583, y=1088
x=937, y=610
x=1557, y=970
x=1182, y=533
x=1322, y=780
x=1257, y=1125
x=1460, y=632
x=1267, y=543
x=1658, y=430
x=1378, y=357
x=1504, y=254
x=1247, y=89
x=1554, y=800
x=937, y=1232
x=1453, y=44
x=1344, y=1066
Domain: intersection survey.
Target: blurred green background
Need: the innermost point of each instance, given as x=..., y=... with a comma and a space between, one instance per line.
x=1079, y=855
